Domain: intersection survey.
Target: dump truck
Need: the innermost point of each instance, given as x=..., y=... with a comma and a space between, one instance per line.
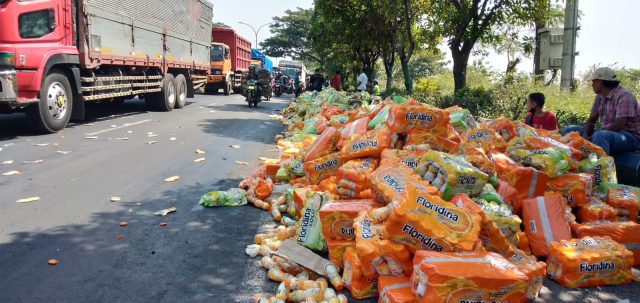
x=230, y=60
x=55, y=55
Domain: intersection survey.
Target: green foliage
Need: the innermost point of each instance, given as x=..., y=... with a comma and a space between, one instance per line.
x=290, y=36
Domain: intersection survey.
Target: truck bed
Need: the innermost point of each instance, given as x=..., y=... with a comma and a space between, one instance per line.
x=240, y=47
x=161, y=33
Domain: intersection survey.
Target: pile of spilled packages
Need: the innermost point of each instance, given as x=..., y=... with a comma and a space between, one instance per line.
x=418, y=204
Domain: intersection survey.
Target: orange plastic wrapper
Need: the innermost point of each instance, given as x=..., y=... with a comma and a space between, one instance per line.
x=415, y=115
x=322, y=125
x=322, y=168
x=625, y=199
x=528, y=181
x=534, y=269
x=388, y=183
x=263, y=189
x=398, y=258
x=417, y=137
x=504, y=127
x=395, y=290
x=523, y=242
x=422, y=221
x=354, y=279
x=485, y=138
x=441, y=277
x=576, y=188
x=478, y=158
x=371, y=144
x=589, y=261
x=375, y=110
x=337, y=248
x=406, y=157
x=327, y=185
x=510, y=196
x=299, y=197
x=336, y=217
x=596, y=210
x=357, y=127
x=352, y=177
x=574, y=140
x=323, y=145
x=328, y=111
x=545, y=221
x=536, y=143
x=625, y=233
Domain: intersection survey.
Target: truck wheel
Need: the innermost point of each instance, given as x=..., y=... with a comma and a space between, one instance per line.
x=53, y=112
x=227, y=88
x=181, y=91
x=165, y=100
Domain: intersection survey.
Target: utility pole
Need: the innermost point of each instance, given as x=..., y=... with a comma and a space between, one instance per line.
x=569, y=46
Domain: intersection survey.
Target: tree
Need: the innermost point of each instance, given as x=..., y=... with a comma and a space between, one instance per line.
x=290, y=34
x=466, y=22
x=406, y=14
x=220, y=25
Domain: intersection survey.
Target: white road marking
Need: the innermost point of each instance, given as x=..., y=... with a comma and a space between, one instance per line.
x=119, y=127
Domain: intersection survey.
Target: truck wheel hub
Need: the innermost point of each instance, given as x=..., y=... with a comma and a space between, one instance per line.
x=56, y=100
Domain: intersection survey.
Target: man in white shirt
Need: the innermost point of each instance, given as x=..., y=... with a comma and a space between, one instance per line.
x=362, y=81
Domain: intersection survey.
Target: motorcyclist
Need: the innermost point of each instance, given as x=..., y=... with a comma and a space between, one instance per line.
x=253, y=73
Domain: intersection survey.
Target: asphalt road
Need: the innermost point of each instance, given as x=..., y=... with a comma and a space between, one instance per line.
x=199, y=256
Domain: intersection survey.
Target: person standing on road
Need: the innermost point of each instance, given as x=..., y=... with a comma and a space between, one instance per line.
x=296, y=83
x=336, y=81
x=537, y=117
x=617, y=110
x=362, y=81
x=316, y=81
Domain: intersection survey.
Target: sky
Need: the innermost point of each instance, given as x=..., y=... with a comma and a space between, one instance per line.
x=609, y=35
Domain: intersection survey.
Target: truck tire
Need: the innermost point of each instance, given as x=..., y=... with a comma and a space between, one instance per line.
x=53, y=112
x=165, y=100
x=181, y=91
x=227, y=88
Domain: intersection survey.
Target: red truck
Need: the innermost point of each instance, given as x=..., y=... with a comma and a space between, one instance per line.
x=57, y=54
x=230, y=60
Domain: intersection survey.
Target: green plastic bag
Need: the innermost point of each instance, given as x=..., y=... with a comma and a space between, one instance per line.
x=282, y=175
x=291, y=204
x=490, y=194
x=400, y=100
x=309, y=126
x=232, y=197
x=380, y=117
x=603, y=169
x=462, y=120
x=552, y=161
x=309, y=230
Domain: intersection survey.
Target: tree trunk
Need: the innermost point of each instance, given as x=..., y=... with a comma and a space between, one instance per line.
x=460, y=63
x=538, y=74
x=388, y=70
x=408, y=81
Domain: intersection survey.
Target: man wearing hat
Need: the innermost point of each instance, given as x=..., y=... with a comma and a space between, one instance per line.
x=617, y=110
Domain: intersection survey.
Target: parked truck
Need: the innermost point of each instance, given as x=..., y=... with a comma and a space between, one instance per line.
x=230, y=60
x=55, y=55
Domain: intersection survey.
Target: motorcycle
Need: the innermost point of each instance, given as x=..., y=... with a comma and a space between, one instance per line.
x=253, y=94
x=289, y=88
x=279, y=87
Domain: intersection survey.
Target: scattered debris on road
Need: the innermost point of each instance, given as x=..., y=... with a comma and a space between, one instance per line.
x=122, y=138
x=28, y=200
x=119, y=237
x=172, y=179
x=91, y=137
x=52, y=262
x=12, y=173
x=152, y=142
x=172, y=139
x=165, y=211
x=199, y=160
x=33, y=162
x=41, y=144
x=200, y=152
x=235, y=146
x=163, y=224
x=115, y=199
x=123, y=224
x=8, y=162
x=64, y=152
x=242, y=163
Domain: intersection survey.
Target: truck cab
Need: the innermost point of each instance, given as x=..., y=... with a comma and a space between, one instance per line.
x=221, y=73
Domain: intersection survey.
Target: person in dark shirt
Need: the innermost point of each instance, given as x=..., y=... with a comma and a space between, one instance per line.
x=537, y=116
x=336, y=81
x=316, y=81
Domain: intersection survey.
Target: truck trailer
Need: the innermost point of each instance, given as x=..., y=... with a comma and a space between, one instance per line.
x=230, y=60
x=57, y=54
